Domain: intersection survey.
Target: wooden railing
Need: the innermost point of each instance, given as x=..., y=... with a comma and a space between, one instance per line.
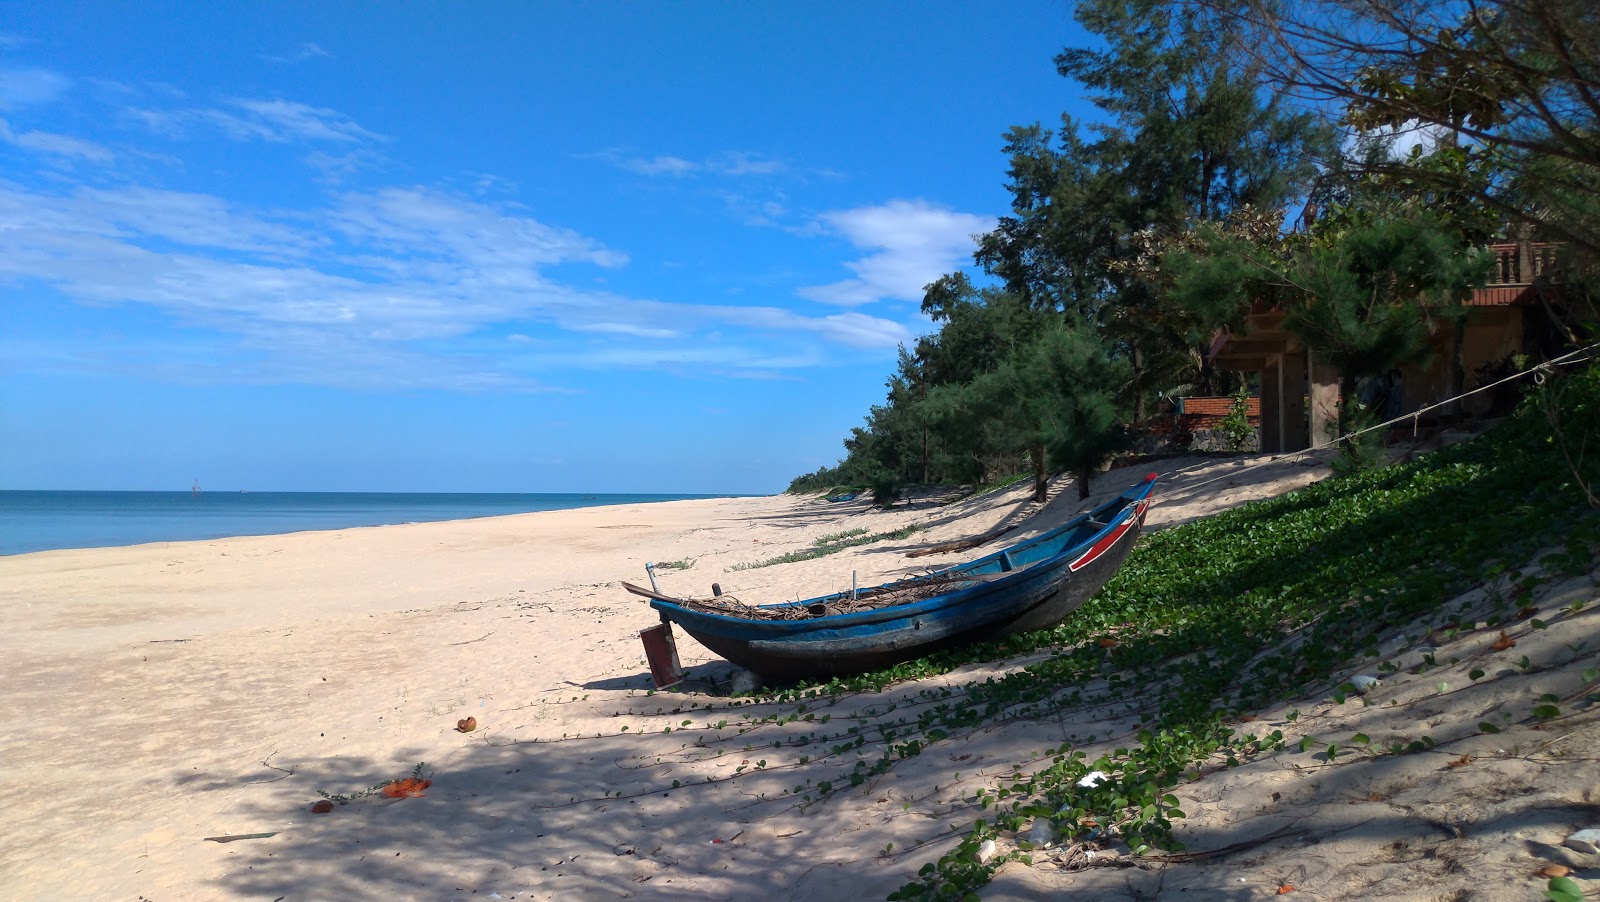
x=1520, y=262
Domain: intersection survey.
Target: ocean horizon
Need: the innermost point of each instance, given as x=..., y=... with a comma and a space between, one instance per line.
x=51, y=520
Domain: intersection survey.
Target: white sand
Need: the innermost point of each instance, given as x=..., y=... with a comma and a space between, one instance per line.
x=153, y=696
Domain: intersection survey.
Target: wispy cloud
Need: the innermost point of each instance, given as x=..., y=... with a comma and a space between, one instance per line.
x=403, y=286
x=28, y=86
x=338, y=168
x=54, y=145
x=758, y=211
x=746, y=164
x=244, y=119
x=419, y=228
x=731, y=163
x=662, y=165
x=910, y=243
x=306, y=51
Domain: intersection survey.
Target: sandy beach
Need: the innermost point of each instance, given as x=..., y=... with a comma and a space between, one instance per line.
x=156, y=696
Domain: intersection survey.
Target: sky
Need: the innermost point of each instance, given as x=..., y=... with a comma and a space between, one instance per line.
x=487, y=247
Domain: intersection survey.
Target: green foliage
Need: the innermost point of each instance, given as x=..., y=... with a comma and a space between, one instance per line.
x=1335, y=565
x=1235, y=426
x=1070, y=385
x=1189, y=139
x=1358, y=453
x=1364, y=290
x=837, y=537
x=1563, y=889
x=1512, y=82
x=1365, y=293
x=1570, y=403
x=820, y=481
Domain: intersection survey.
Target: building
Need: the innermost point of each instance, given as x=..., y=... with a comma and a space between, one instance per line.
x=1300, y=394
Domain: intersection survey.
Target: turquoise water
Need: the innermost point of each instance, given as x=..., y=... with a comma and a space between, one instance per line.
x=43, y=520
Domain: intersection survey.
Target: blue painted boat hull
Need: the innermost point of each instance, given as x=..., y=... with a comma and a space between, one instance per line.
x=1028, y=586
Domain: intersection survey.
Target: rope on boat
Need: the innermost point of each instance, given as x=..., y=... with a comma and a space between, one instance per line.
x=1539, y=371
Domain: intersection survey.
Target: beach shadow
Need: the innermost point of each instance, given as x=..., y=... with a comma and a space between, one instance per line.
x=685, y=814
x=710, y=678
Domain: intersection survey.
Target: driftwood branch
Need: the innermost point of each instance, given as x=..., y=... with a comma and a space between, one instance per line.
x=963, y=544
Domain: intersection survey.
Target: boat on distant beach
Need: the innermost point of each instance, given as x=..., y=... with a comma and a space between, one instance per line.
x=1030, y=585
x=844, y=496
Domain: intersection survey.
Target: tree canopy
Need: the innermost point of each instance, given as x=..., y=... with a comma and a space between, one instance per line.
x=1342, y=160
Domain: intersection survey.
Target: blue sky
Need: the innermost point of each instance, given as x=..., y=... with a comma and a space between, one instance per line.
x=512, y=247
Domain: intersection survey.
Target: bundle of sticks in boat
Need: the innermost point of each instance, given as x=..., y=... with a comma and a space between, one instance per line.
x=914, y=588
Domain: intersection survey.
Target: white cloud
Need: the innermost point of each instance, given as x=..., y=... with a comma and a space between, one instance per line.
x=285, y=120
x=417, y=224
x=863, y=331
x=54, y=145
x=30, y=86
x=336, y=168
x=630, y=329
x=245, y=119
x=737, y=163
x=731, y=163
x=195, y=220
x=662, y=165
x=911, y=243
x=399, y=287
x=306, y=51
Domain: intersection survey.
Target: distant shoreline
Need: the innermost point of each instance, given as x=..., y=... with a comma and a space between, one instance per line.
x=59, y=520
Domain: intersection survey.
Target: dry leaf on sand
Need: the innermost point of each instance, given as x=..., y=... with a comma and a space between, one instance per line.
x=409, y=788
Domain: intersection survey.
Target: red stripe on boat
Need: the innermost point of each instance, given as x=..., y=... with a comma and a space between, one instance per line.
x=1100, y=547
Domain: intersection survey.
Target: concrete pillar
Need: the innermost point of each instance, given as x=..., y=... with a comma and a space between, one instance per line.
x=1296, y=425
x=1272, y=405
x=1324, y=426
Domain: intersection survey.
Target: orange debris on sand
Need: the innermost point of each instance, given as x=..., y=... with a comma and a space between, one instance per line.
x=409, y=788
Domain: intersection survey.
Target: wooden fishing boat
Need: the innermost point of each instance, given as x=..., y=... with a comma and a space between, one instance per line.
x=1030, y=585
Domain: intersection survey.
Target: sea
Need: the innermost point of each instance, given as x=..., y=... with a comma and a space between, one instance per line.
x=49, y=520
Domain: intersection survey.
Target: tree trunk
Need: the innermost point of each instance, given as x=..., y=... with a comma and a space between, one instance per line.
x=1041, y=476
x=1347, y=404
x=1137, y=361
x=1458, y=367
x=924, y=455
x=1084, y=472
